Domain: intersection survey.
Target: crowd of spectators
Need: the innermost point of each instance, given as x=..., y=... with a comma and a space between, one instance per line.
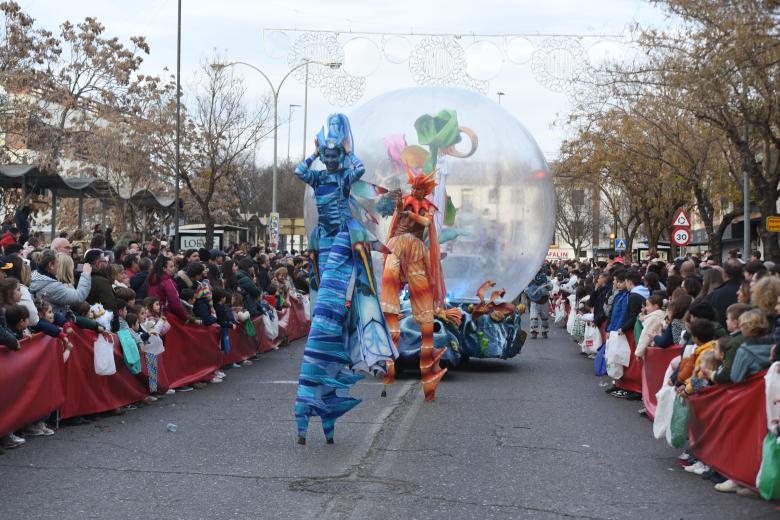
x=726, y=315
x=87, y=280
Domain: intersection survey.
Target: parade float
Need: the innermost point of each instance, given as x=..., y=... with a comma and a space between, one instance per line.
x=492, y=205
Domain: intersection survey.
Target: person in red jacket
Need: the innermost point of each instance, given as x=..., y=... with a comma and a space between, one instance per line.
x=162, y=286
x=10, y=237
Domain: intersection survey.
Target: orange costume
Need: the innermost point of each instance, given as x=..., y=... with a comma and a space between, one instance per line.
x=410, y=262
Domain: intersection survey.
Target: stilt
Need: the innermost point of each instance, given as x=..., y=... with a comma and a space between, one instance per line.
x=429, y=362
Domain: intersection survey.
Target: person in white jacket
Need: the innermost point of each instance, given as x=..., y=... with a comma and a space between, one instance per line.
x=652, y=324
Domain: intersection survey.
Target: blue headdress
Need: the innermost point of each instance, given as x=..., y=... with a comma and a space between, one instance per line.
x=335, y=131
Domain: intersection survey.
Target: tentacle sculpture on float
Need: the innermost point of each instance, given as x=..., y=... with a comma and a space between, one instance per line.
x=348, y=331
x=491, y=329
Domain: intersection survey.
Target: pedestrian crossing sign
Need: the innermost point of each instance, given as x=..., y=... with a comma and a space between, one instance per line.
x=620, y=244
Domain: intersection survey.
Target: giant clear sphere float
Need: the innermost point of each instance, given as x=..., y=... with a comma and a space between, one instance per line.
x=495, y=193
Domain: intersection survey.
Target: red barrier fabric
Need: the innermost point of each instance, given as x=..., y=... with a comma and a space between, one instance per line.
x=297, y=326
x=727, y=427
x=653, y=370
x=241, y=346
x=632, y=374
x=88, y=393
x=191, y=354
x=292, y=325
x=265, y=343
x=35, y=382
x=31, y=382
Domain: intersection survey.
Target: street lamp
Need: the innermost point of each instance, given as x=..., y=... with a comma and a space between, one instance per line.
x=289, y=128
x=499, y=94
x=275, y=92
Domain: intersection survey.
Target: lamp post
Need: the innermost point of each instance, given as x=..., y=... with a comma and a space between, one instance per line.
x=289, y=128
x=499, y=94
x=178, y=134
x=275, y=93
x=305, y=110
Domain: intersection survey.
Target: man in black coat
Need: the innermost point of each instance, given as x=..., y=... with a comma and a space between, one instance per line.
x=263, y=272
x=599, y=296
x=22, y=222
x=637, y=294
x=726, y=294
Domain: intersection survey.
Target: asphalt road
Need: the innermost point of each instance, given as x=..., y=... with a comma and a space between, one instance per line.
x=533, y=437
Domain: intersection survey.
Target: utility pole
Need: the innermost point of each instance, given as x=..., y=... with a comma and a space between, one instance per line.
x=178, y=132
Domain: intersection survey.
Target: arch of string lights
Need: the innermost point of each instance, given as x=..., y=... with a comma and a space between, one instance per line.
x=559, y=62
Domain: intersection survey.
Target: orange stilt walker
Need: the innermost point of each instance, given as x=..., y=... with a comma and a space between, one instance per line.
x=410, y=262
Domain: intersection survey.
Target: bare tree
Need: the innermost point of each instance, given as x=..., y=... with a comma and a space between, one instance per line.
x=219, y=136
x=574, y=217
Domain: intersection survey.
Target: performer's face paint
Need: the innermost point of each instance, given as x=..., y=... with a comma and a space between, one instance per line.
x=418, y=193
x=331, y=157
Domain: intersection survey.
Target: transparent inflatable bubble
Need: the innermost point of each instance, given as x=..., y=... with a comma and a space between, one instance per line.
x=495, y=192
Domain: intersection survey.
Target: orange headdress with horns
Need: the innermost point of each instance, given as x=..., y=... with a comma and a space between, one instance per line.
x=421, y=181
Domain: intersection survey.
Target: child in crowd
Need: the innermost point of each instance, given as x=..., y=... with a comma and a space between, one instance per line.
x=273, y=298
x=754, y=354
x=153, y=319
x=126, y=294
x=282, y=288
x=84, y=318
x=240, y=314
x=708, y=364
x=135, y=316
x=224, y=316
x=282, y=278
x=46, y=325
x=652, y=323
x=203, y=307
x=188, y=301
x=674, y=320
x=120, y=316
x=703, y=336
x=17, y=316
x=618, y=303
x=733, y=341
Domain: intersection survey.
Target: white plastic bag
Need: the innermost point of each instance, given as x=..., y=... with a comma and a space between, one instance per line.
x=592, y=340
x=154, y=345
x=572, y=316
x=104, y=356
x=271, y=324
x=614, y=370
x=560, y=313
x=772, y=386
x=618, y=350
x=622, y=351
x=307, y=307
x=664, y=407
x=617, y=354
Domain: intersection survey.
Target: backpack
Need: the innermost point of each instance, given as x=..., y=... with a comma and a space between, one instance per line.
x=538, y=293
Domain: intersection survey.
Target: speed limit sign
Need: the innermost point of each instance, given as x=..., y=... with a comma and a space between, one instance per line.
x=681, y=236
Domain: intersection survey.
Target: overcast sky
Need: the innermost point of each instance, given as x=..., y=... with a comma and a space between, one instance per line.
x=235, y=28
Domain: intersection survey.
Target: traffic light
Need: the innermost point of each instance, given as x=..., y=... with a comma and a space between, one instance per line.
x=612, y=236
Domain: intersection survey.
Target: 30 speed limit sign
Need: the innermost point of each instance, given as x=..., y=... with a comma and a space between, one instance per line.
x=681, y=236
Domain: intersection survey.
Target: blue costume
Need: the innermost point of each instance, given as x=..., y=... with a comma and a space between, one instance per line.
x=348, y=330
